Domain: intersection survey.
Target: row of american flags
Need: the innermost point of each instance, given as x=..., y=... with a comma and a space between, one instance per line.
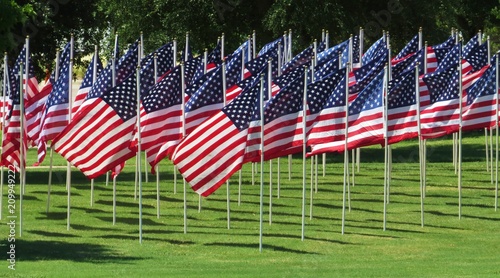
x=204, y=113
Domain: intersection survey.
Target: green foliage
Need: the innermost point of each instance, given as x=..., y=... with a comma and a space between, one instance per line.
x=11, y=14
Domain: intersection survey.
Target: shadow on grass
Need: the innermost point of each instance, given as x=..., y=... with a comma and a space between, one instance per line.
x=51, y=234
x=65, y=251
x=264, y=247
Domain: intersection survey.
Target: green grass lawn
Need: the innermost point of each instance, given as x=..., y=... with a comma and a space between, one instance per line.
x=445, y=247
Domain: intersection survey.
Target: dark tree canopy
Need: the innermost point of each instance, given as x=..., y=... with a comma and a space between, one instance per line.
x=50, y=23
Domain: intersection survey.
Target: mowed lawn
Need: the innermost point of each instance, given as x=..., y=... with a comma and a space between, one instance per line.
x=93, y=247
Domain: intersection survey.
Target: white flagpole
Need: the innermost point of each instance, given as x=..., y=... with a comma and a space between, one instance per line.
x=304, y=146
x=184, y=193
x=327, y=40
x=389, y=149
x=222, y=46
x=138, y=122
x=424, y=141
x=51, y=149
x=289, y=44
x=496, y=127
x=491, y=129
x=70, y=98
x=94, y=77
x=146, y=178
x=351, y=43
x=420, y=150
x=4, y=89
x=420, y=38
x=254, y=39
x=186, y=54
x=460, y=138
x=346, y=156
x=242, y=76
x=22, y=158
x=155, y=75
x=114, y=200
x=361, y=45
x=386, y=148
x=228, y=197
x=269, y=96
x=261, y=202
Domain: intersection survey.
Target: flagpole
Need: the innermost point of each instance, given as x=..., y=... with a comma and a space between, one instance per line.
x=346, y=156
x=114, y=200
x=228, y=198
x=304, y=120
x=70, y=99
x=424, y=141
x=94, y=77
x=349, y=58
x=184, y=193
x=496, y=127
x=261, y=202
x=491, y=128
x=254, y=39
x=51, y=149
x=242, y=76
x=222, y=46
x=186, y=54
x=460, y=138
x=389, y=152
x=155, y=57
x=138, y=119
x=361, y=46
x=21, y=147
x=420, y=151
x=386, y=146
x=146, y=178
x=304, y=146
x=269, y=78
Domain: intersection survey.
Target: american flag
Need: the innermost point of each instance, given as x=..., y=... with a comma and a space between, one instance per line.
x=402, y=116
x=124, y=67
x=479, y=109
x=190, y=67
x=12, y=121
x=303, y=58
x=164, y=63
x=366, y=123
x=272, y=46
x=361, y=77
x=161, y=117
x=477, y=58
x=283, y=118
x=216, y=149
x=205, y=101
x=55, y=115
x=471, y=45
x=326, y=102
x=214, y=59
x=97, y=139
x=331, y=53
x=410, y=48
x=441, y=115
x=88, y=81
x=374, y=51
x=451, y=59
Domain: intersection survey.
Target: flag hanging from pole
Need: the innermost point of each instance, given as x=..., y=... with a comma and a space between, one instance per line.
x=98, y=139
x=216, y=149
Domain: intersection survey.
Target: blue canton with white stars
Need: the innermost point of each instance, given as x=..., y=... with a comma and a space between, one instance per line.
x=122, y=98
x=478, y=57
x=323, y=94
x=484, y=86
x=402, y=91
x=60, y=90
x=370, y=97
x=244, y=108
x=409, y=48
x=442, y=85
x=89, y=75
x=125, y=66
x=165, y=93
x=209, y=93
x=289, y=100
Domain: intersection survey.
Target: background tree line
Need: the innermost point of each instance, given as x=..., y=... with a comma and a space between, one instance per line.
x=49, y=23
